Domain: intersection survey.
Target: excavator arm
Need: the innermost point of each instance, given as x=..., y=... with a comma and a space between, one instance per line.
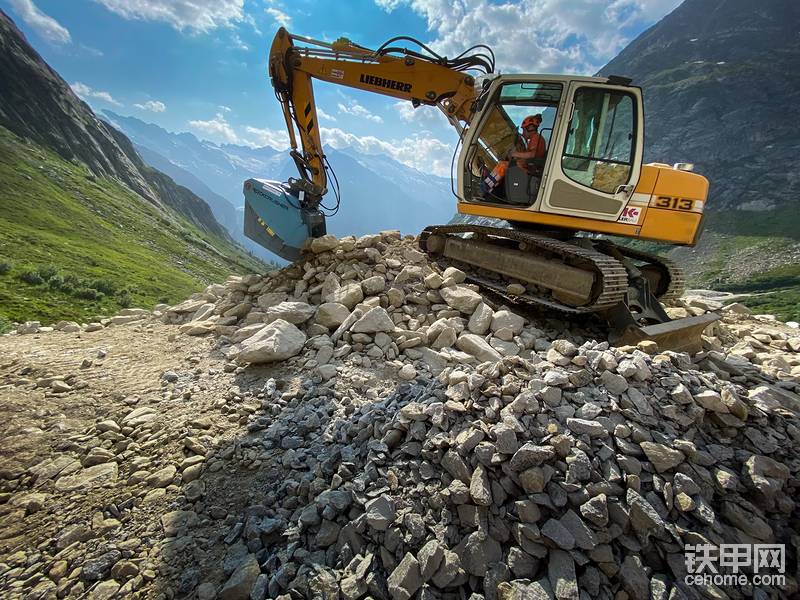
x=281, y=216
x=392, y=71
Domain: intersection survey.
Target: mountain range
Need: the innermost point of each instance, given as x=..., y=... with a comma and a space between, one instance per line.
x=86, y=225
x=377, y=192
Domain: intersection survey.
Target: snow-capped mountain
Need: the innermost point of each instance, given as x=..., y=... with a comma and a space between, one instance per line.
x=377, y=192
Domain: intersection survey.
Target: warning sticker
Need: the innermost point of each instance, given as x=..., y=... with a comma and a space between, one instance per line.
x=337, y=73
x=630, y=215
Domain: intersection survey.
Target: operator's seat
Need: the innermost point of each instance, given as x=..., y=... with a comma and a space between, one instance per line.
x=520, y=187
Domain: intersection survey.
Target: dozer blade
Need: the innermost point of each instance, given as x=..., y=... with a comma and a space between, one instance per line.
x=680, y=335
x=275, y=218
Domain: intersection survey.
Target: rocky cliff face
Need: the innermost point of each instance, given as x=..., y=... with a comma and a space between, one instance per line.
x=37, y=104
x=719, y=92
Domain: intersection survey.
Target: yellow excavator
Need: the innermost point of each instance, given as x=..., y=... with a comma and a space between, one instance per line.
x=555, y=209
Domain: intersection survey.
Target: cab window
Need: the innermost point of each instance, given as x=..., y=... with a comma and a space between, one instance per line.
x=500, y=129
x=600, y=148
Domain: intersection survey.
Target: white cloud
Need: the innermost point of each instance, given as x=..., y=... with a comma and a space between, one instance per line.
x=238, y=43
x=218, y=129
x=195, y=15
x=388, y=5
x=359, y=111
x=323, y=116
x=85, y=92
x=280, y=17
x=256, y=138
x=44, y=25
x=153, y=106
x=427, y=116
x=224, y=108
x=427, y=154
x=529, y=36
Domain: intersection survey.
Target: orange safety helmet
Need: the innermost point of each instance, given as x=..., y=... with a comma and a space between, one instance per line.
x=532, y=119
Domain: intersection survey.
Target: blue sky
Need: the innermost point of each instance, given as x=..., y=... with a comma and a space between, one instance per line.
x=200, y=65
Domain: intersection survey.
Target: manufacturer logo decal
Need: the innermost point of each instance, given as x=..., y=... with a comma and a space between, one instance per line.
x=630, y=214
x=337, y=73
x=385, y=83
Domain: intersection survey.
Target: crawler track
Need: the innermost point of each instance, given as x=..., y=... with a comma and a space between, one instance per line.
x=611, y=278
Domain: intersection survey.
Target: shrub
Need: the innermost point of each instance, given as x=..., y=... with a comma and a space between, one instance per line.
x=88, y=294
x=47, y=272
x=5, y=325
x=124, y=299
x=56, y=282
x=109, y=288
x=5, y=267
x=31, y=277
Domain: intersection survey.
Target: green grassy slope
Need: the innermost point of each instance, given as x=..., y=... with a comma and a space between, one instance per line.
x=755, y=252
x=73, y=246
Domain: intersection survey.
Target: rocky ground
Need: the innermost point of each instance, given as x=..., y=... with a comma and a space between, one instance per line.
x=366, y=425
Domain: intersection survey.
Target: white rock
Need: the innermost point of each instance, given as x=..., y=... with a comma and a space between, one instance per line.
x=481, y=319
x=331, y=314
x=409, y=273
x=738, y=308
x=245, y=332
x=326, y=371
x=507, y=319
x=349, y=295
x=373, y=285
x=376, y=319
x=270, y=299
x=293, y=312
x=408, y=372
x=461, y=298
x=711, y=400
x=455, y=274
x=323, y=244
x=125, y=319
x=433, y=281
x=445, y=339
x=477, y=347
x=277, y=341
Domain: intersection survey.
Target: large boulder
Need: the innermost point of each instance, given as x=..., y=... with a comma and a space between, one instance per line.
x=349, y=295
x=331, y=314
x=477, y=347
x=293, y=312
x=277, y=341
x=375, y=320
x=461, y=298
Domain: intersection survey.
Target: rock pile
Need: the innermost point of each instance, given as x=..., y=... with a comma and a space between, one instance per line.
x=391, y=433
x=512, y=465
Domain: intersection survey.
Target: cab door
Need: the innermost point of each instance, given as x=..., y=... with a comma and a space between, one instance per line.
x=596, y=158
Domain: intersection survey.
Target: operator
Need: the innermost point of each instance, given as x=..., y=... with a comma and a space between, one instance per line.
x=530, y=145
x=533, y=143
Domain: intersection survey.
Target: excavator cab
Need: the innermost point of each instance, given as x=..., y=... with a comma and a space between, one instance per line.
x=593, y=131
